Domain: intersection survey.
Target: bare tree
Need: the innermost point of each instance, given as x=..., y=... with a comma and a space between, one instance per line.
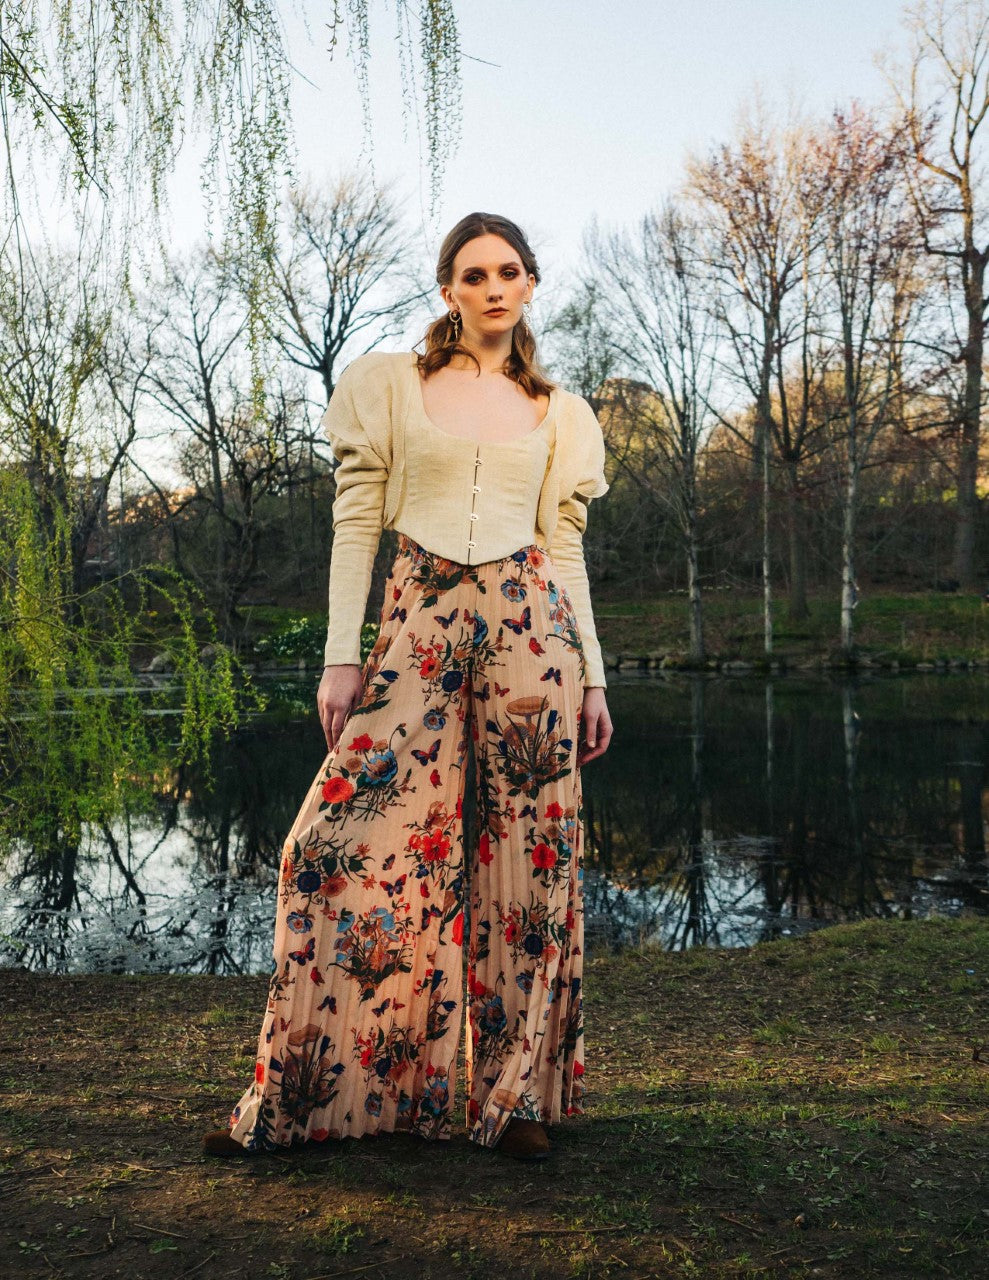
x=866, y=262
x=230, y=456
x=758, y=242
x=949, y=60
x=579, y=340
x=653, y=285
x=58, y=419
x=345, y=275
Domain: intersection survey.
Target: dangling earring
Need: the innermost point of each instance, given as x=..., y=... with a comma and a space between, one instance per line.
x=527, y=311
x=455, y=322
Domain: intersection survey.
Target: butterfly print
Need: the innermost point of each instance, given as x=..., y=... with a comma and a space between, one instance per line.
x=304, y=954
x=427, y=757
x=521, y=623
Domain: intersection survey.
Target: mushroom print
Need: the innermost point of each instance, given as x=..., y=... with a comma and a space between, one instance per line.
x=388, y=922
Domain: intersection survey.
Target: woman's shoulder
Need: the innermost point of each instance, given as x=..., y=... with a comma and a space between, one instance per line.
x=577, y=411
x=375, y=365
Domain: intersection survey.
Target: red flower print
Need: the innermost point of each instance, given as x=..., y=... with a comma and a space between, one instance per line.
x=458, y=929
x=578, y=1068
x=319, y=1135
x=543, y=855
x=316, y=976
x=362, y=743
x=484, y=848
x=554, y=810
x=435, y=778
x=511, y=931
x=259, y=1072
x=336, y=790
x=473, y=1110
x=571, y=919
x=429, y=665
x=435, y=846
x=332, y=886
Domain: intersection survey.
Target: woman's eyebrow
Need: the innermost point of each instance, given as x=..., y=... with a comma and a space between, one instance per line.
x=501, y=268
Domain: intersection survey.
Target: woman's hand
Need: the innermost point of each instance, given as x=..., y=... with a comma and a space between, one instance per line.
x=339, y=691
x=596, y=726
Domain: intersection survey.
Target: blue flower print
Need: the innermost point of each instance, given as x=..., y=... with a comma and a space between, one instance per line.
x=308, y=881
x=379, y=768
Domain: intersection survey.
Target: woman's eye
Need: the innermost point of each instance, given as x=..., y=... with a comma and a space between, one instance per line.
x=511, y=273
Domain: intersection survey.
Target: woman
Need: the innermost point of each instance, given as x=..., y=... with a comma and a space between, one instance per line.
x=486, y=646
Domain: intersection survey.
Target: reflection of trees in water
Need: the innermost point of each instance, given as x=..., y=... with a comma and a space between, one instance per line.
x=891, y=830
x=725, y=812
x=99, y=902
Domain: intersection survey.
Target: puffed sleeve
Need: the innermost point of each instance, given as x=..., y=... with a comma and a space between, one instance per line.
x=567, y=547
x=351, y=423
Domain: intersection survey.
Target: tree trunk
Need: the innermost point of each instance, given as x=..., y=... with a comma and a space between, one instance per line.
x=848, y=592
x=968, y=449
x=797, y=606
x=767, y=590
x=694, y=603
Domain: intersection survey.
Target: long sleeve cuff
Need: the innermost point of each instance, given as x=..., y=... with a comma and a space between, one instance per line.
x=567, y=554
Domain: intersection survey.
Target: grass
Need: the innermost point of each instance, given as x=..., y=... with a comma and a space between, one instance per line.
x=917, y=627
x=908, y=628
x=814, y=1106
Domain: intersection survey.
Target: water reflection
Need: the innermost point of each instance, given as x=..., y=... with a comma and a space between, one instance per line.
x=725, y=812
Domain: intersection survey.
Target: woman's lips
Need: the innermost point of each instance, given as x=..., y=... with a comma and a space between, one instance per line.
x=496, y=311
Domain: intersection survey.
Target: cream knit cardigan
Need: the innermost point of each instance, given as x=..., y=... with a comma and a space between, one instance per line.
x=366, y=422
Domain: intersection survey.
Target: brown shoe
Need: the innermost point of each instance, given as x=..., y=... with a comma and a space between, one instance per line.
x=524, y=1139
x=220, y=1143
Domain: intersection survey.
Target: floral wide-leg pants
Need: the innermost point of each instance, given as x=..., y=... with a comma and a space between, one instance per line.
x=366, y=997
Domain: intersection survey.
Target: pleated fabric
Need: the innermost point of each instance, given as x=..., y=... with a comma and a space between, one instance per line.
x=367, y=992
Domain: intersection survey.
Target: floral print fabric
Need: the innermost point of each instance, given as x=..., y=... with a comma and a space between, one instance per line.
x=367, y=994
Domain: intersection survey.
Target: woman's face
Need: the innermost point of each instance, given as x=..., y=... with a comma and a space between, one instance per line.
x=488, y=274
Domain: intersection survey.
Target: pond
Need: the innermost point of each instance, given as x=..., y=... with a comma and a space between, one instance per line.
x=727, y=810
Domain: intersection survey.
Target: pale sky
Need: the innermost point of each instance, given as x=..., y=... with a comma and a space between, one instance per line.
x=575, y=108
x=570, y=110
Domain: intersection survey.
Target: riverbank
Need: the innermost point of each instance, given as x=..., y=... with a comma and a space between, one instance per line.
x=925, y=631
x=816, y=1106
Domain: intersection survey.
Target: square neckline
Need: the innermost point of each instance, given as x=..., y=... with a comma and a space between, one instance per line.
x=449, y=435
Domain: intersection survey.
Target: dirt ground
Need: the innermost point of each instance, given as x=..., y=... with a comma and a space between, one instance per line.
x=805, y=1107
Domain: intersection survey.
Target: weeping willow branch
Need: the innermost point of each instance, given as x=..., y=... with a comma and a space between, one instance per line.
x=108, y=86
